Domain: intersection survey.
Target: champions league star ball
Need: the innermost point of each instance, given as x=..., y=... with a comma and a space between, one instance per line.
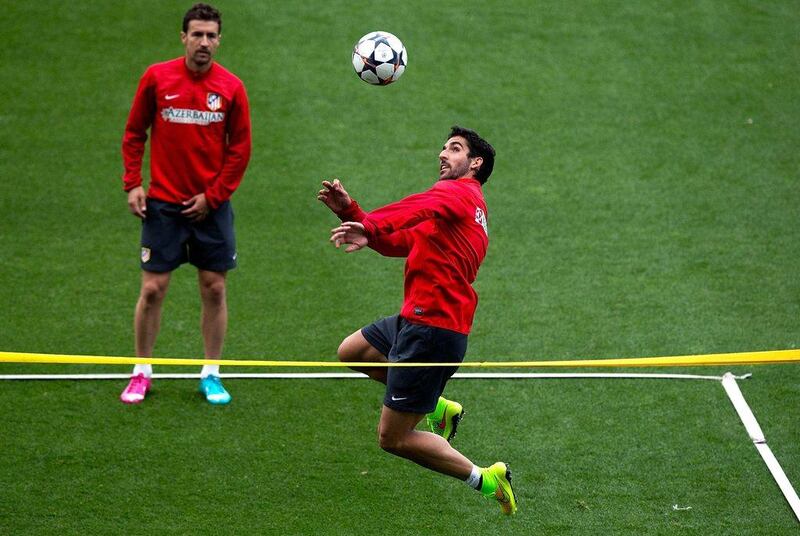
x=379, y=58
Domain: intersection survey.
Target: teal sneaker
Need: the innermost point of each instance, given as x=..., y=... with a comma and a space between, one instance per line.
x=215, y=393
x=444, y=419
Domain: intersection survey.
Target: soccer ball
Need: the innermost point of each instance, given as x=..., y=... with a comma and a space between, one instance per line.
x=379, y=58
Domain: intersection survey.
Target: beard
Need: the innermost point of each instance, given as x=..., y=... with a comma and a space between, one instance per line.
x=201, y=57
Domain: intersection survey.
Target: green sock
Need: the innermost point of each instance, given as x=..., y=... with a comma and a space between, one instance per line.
x=488, y=482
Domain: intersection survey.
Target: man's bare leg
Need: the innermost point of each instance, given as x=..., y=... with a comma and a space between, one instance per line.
x=355, y=348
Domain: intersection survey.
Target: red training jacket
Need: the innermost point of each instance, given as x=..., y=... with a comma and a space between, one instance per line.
x=200, y=133
x=443, y=233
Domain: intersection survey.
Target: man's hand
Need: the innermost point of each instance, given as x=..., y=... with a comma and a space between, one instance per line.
x=136, y=202
x=334, y=195
x=350, y=232
x=196, y=208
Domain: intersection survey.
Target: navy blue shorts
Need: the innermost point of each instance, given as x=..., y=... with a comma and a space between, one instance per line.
x=170, y=239
x=415, y=389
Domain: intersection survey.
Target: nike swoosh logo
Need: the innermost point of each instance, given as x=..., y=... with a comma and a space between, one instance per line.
x=501, y=496
x=394, y=398
x=170, y=97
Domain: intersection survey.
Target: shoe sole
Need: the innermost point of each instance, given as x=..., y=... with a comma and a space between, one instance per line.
x=455, y=420
x=133, y=402
x=214, y=402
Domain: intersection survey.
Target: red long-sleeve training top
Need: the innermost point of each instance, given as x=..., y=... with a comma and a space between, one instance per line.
x=199, y=128
x=443, y=233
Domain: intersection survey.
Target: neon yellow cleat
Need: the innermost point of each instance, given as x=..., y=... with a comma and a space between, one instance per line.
x=445, y=418
x=497, y=483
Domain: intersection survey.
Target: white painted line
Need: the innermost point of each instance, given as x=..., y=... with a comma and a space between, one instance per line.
x=760, y=442
x=357, y=375
x=744, y=411
x=780, y=477
x=579, y=375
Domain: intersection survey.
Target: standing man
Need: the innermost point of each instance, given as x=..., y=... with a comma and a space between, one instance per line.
x=443, y=233
x=199, y=121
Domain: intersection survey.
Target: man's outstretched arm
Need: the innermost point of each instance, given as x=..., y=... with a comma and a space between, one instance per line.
x=336, y=198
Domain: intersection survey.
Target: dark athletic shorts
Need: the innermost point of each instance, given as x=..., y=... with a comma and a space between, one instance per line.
x=415, y=389
x=170, y=239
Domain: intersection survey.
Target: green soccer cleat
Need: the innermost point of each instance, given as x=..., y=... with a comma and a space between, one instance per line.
x=497, y=483
x=445, y=418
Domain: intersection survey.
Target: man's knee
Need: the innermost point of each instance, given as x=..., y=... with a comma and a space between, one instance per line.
x=153, y=291
x=390, y=441
x=349, y=350
x=213, y=290
x=395, y=430
x=344, y=352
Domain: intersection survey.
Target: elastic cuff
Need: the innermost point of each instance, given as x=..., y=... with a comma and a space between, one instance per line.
x=369, y=229
x=351, y=211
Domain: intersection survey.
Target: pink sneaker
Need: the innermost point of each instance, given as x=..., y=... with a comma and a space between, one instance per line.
x=136, y=389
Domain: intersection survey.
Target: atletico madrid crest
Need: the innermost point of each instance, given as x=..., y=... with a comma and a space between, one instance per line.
x=213, y=101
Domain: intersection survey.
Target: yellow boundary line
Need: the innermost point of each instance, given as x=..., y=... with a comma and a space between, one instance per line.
x=743, y=358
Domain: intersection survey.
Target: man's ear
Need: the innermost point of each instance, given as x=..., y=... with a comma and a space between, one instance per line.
x=476, y=163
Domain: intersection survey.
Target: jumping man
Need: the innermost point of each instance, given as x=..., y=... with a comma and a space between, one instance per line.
x=443, y=233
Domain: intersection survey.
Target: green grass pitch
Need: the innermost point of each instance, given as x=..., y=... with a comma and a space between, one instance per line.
x=644, y=203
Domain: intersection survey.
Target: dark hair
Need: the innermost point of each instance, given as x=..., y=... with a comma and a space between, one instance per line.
x=202, y=12
x=477, y=147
